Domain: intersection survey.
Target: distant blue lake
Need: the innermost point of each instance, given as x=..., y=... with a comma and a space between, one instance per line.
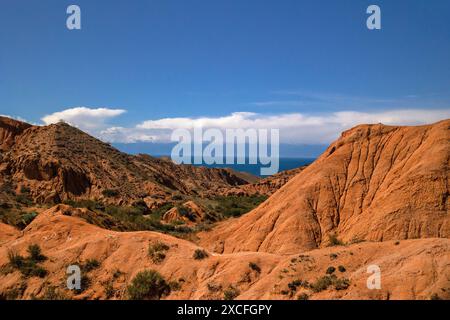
x=295, y=155
x=285, y=164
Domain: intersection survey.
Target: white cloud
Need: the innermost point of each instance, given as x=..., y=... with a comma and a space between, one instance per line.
x=297, y=128
x=84, y=118
x=130, y=135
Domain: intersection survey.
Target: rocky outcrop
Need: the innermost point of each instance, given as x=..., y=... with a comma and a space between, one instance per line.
x=9, y=129
x=375, y=183
x=266, y=186
x=188, y=213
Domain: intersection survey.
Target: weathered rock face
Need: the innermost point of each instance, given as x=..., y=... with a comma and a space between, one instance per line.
x=266, y=186
x=190, y=214
x=374, y=183
x=9, y=129
x=59, y=162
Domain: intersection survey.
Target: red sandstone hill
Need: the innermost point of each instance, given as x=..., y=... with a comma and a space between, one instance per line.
x=59, y=162
x=374, y=183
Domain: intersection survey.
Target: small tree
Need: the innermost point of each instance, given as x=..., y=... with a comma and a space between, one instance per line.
x=148, y=285
x=200, y=254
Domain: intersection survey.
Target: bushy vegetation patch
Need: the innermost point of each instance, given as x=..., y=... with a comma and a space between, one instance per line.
x=28, y=266
x=148, y=285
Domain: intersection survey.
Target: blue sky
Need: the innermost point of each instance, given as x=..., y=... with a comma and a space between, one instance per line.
x=160, y=59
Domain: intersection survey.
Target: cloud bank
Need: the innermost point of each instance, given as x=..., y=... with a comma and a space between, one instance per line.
x=295, y=128
x=84, y=118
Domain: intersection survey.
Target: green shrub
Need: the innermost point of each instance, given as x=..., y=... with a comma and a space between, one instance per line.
x=303, y=296
x=157, y=251
x=212, y=287
x=174, y=285
x=334, y=241
x=35, y=253
x=322, y=283
x=24, y=199
x=28, y=266
x=294, y=284
x=331, y=280
x=341, y=284
x=231, y=293
x=235, y=206
x=25, y=219
x=15, y=260
x=85, y=283
x=330, y=270
x=200, y=254
x=186, y=212
x=254, y=267
x=148, y=285
x=90, y=265
x=109, y=290
x=342, y=269
x=110, y=193
x=52, y=293
x=24, y=190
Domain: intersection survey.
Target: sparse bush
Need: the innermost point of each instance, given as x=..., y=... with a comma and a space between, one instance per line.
x=331, y=280
x=15, y=260
x=24, y=199
x=85, y=284
x=294, y=284
x=235, y=206
x=90, y=265
x=303, y=296
x=186, y=212
x=174, y=285
x=24, y=190
x=35, y=253
x=200, y=254
x=341, y=269
x=28, y=266
x=157, y=251
x=52, y=293
x=177, y=197
x=117, y=273
x=330, y=270
x=109, y=290
x=212, y=287
x=25, y=219
x=231, y=293
x=148, y=285
x=254, y=267
x=341, y=284
x=334, y=241
x=110, y=193
x=322, y=284
x=14, y=293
